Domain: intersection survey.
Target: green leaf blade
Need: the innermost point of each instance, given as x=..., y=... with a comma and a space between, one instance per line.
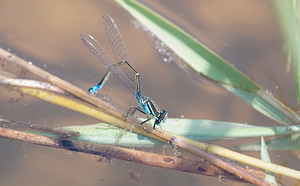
x=194, y=129
x=265, y=156
x=203, y=61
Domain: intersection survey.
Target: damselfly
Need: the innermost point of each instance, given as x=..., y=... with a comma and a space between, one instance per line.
x=123, y=70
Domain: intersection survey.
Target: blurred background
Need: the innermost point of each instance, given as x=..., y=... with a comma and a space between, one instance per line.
x=47, y=33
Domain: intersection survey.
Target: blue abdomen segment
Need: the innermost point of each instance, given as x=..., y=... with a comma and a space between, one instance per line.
x=94, y=89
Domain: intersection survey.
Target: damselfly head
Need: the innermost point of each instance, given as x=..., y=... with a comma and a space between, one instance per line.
x=161, y=117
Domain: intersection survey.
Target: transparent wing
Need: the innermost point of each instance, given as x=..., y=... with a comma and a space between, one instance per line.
x=119, y=48
x=115, y=39
x=96, y=49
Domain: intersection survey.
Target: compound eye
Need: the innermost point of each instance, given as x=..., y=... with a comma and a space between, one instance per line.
x=163, y=116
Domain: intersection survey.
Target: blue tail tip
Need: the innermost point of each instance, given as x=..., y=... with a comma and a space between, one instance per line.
x=94, y=89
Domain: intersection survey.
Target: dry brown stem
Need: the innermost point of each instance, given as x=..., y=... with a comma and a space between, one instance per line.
x=158, y=160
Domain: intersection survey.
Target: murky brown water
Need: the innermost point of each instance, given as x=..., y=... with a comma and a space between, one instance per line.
x=47, y=33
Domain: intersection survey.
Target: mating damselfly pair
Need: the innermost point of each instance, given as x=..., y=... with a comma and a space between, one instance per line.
x=122, y=69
